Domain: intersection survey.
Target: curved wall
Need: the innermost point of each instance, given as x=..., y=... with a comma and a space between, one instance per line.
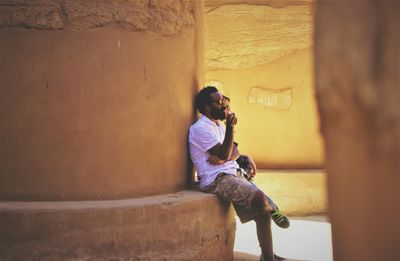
x=95, y=98
x=260, y=52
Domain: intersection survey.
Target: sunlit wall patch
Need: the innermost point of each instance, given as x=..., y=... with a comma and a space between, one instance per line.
x=275, y=99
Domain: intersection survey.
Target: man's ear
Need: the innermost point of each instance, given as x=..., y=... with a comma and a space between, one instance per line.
x=206, y=107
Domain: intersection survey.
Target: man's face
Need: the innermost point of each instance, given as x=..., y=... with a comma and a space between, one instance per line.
x=217, y=108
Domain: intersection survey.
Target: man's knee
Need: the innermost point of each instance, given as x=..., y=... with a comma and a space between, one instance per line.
x=260, y=203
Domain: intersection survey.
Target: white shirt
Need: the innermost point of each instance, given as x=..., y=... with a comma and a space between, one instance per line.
x=203, y=135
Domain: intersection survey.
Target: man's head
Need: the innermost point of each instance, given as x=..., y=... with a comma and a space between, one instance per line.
x=209, y=102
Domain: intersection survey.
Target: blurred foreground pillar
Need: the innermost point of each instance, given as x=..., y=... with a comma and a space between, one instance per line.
x=357, y=76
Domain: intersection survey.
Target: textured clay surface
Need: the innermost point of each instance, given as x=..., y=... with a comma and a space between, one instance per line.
x=165, y=17
x=244, y=36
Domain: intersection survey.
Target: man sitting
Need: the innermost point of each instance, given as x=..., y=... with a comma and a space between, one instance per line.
x=249, y=169
x=208, y=137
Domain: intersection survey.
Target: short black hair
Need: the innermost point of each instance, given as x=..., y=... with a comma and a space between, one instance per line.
x=204, y=97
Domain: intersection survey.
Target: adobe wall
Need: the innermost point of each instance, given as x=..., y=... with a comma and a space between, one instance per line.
x=96, y=97
x=358, y=86
x=259, y=53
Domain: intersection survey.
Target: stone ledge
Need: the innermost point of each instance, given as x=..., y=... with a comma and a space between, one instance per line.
x=38, y=206
x=180, y=226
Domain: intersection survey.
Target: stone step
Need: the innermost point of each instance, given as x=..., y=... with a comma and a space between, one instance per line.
x=187, y=225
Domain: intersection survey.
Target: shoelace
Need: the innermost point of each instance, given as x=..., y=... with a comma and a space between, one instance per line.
x=278, y=215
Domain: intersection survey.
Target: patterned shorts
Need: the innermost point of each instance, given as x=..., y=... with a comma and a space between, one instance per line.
x=239, y=191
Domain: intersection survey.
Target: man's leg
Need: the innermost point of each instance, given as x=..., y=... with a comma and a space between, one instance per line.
x=263, y=224
x=280, y=219
x=250, y=204
x=264, y=235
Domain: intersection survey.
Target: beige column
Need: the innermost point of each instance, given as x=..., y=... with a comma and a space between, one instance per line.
x=95, y=104
x=95, y=98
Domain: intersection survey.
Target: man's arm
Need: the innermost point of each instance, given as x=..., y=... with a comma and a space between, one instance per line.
x=235, y=153
x=224, y=150
x=214, y=160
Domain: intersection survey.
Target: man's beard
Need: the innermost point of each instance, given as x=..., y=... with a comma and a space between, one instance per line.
x=218, y=115
x=222, y=116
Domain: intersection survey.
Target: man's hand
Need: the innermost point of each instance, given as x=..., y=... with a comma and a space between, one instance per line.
x=214, y=160
x=224, y=150
x=253, y=167
x=231, y=120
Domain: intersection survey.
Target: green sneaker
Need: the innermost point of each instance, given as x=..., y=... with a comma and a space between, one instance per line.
x=280, y=219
